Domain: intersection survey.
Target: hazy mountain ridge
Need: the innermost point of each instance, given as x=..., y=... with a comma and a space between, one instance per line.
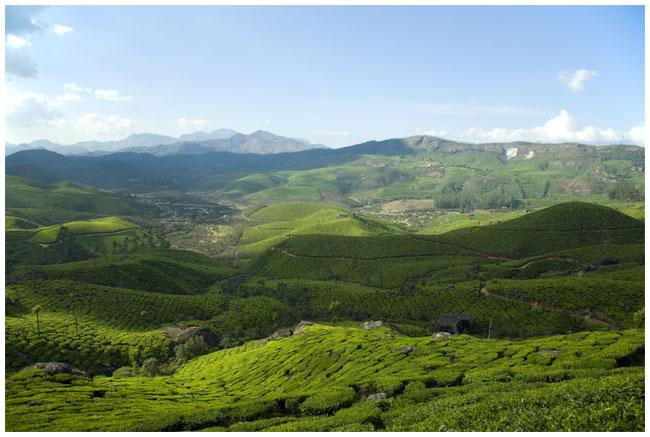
x=261, y=142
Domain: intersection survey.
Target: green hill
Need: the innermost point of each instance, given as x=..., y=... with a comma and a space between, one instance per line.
x=571, y=216
x=61, y=202
x=105, y=225
x=560, y=227
x=157, y=270
x=390, y=261
x=455, y=175
x=323, y=378
x=272, y=225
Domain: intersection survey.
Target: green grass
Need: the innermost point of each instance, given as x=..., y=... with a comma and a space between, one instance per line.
x=317, y=381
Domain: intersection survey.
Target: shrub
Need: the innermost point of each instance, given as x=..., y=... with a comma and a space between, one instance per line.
x=124, y=372
x=150, y=367
x=327, y=401
x=193, y=347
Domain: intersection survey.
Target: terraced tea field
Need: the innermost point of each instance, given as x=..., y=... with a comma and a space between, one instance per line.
x=333, y=378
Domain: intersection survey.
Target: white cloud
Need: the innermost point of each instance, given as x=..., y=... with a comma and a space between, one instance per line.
x=191, y=125
x=27, y=108
x=637, y=134
x=92, y=123
x=71, y=86
x=68, y=97
x=16, y=42
x=60, y=29
x=111, y=95
x=20, y=22
x=561, y=128
x=575, y=80
x=330, y=133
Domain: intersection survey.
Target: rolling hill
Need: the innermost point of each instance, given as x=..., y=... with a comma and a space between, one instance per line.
x=455, y=175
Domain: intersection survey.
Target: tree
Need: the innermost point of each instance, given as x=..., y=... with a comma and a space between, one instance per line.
x=36, y=310
x=332, y=308
x=193, y=347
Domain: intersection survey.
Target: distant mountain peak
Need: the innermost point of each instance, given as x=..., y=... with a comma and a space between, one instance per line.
x=260, y=141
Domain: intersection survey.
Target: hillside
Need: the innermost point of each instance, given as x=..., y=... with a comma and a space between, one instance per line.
x=532, y=301
x=273, y=224
x=455, y=175
x=560, y=227
x=158, y=270
x=390, y=261
x=45, y=204
x=352, y=379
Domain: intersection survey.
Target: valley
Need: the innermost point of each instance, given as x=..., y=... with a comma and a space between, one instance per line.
x=413, y=284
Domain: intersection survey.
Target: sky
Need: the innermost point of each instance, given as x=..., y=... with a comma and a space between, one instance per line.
x=332, y=75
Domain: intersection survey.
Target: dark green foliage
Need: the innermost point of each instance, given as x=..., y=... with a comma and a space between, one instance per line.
x=193, y=347
x=159, y=270
x=150, y=367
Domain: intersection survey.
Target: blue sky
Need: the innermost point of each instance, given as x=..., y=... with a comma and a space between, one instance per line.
x=334, y=75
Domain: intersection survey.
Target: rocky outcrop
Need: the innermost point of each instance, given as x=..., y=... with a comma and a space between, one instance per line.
x=281, y=333
x=375, y=324
x=180, y=334
x=441, y=335
x=300, y=326
x=55, y=367
x=377, y=396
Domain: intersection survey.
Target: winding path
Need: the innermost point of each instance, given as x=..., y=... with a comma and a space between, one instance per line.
x=588, y=319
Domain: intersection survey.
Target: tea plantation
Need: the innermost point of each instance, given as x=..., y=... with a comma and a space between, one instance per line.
x=531, y=324
x=327, y=378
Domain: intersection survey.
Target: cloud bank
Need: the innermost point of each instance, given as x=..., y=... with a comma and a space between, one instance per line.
x=561, y=128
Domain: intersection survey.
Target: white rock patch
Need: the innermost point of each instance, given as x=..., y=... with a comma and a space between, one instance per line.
x=531, y=154
x=511, y=153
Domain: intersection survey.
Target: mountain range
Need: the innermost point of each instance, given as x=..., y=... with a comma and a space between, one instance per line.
x=225, y=140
